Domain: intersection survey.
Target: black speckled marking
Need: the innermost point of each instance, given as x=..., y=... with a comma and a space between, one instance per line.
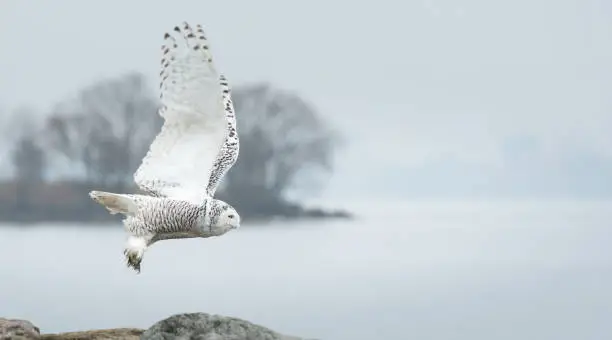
x=228, y=154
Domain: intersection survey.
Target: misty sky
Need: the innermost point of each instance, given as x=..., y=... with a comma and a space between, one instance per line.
x=443, y=97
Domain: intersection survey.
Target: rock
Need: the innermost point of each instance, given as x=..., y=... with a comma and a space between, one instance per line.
x=99, y=334
x=199, y=326
x=204, y=326
x=12, y=329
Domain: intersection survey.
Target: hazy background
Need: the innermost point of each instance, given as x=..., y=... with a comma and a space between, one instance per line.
x=457, y=102
x=489, y=94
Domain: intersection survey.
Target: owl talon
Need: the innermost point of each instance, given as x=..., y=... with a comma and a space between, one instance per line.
x=133, y=260
x=134, y=251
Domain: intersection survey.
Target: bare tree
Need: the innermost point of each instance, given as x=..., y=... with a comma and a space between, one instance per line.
x=28, y=158
x=15, y=125
x=282, y=138
x=29, y=161
x=107, y=129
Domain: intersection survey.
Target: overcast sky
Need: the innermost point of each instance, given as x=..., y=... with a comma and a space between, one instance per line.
x=489, y=86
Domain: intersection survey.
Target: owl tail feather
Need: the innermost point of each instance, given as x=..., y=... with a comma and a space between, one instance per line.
x=115, y=203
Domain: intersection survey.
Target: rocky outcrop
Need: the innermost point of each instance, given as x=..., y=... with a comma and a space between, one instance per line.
x=15, y=329
x=204, y=326
x=11, y=329
x=199, y=326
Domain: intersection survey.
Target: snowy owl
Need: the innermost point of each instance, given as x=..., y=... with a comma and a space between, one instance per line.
x=198, y=143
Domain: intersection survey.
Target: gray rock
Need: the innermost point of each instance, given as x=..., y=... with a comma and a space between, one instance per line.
x=13, y=329
x=202, y=326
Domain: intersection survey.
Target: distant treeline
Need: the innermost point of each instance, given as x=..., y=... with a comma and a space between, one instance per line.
x=107, y=128
x=69, y=202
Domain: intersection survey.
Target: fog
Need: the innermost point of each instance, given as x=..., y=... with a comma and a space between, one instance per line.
x=502, y=109
x=404, y=271
x=446, y=98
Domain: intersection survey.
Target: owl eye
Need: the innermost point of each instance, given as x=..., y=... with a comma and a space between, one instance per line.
x=230, y=215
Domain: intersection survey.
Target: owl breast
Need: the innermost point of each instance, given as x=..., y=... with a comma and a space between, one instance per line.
x=167, y=218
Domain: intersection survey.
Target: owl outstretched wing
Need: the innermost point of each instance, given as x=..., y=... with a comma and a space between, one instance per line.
x=182, y=158
x=231, y=147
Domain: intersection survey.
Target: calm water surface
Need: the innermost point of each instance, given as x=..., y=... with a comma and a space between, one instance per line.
x=402, y=271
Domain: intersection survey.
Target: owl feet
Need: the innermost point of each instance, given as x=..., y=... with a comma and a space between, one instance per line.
x=133, y=260
x=134, y=252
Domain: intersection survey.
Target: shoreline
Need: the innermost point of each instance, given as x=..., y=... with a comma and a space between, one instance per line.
x=184, y=326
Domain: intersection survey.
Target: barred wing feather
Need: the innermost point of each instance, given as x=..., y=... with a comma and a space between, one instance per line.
x=229, y=151
x=180, y=160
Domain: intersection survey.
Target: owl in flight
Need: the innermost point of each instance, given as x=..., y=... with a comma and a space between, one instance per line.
x=198, y=143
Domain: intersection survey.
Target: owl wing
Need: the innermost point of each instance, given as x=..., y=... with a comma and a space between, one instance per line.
x=228, y=154
x=179, y=162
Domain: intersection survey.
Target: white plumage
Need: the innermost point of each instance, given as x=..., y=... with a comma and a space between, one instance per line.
x=180, y=160
x=196, y=146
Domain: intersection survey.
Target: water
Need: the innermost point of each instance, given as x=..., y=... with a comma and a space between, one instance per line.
x=427, y=271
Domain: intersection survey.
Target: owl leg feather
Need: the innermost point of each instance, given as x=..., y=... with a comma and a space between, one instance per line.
x=134, y=251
